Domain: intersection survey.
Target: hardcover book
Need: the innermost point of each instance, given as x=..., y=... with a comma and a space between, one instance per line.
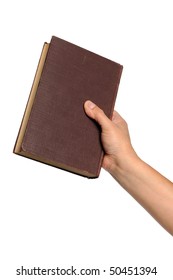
x=55, y=129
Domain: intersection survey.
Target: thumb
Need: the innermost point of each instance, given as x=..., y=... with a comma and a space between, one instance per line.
x=94, y=112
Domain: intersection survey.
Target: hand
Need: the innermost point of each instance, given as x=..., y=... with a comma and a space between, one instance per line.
x=114, y=136
x=151, y=189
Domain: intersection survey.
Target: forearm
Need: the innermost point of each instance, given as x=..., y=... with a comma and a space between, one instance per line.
x=152, y=190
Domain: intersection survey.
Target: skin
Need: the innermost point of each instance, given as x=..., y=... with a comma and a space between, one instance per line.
x=151, y=189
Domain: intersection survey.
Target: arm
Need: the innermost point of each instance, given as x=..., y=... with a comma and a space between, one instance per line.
x=152, y=190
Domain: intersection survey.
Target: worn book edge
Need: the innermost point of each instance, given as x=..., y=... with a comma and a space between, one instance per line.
x=17, y=147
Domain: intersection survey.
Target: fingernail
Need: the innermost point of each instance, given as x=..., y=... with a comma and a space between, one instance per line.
x=91, y=105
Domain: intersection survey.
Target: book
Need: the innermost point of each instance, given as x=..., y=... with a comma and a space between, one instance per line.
x=55, y=129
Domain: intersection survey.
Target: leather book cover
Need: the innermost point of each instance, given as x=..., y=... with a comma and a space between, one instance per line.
x=55, y=129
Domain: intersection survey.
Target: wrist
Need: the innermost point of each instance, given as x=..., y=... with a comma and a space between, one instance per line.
x=123, y=164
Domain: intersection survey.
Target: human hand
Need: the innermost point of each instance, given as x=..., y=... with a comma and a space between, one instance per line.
x=151, y=189
x=114, y=136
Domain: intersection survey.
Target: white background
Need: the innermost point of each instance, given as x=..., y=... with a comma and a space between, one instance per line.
x=53, y=218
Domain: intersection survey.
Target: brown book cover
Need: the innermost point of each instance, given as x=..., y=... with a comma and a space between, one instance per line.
x=55, y=129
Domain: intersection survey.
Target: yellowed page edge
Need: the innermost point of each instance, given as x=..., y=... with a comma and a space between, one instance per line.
x=17, y=147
